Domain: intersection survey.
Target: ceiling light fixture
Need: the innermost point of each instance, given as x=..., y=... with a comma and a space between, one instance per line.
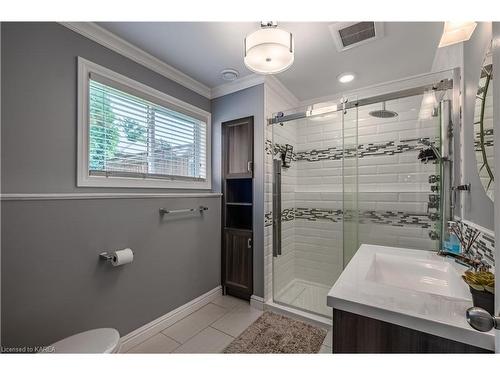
x=456, y=32
x=229, y=74
x=269, y=50
x=346, y=77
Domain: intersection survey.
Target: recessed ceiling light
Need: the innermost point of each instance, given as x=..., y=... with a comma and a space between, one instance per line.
x=346, y=77
x=229, y=74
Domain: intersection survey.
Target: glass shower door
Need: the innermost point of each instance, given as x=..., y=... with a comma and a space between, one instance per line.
x=307, y=192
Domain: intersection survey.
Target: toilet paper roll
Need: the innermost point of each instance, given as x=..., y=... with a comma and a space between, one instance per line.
x=121, y=257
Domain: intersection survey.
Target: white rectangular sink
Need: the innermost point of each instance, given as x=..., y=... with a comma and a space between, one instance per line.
x=416, y=289
x=418, y=274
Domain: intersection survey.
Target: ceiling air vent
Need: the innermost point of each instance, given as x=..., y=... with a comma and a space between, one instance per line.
x=348, y=35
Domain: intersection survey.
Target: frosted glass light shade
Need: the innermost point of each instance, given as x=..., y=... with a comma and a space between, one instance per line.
x=269, y=51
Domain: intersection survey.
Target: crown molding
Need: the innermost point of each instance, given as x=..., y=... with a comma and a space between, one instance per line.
x=109, y=40
x=238, y=85
x=277, y=86
x=254, y=80
x=113, y=42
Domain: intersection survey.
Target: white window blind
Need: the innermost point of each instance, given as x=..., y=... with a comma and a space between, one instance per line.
x=131, y=136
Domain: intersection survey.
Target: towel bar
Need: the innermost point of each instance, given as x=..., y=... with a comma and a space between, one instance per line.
x=164, y=211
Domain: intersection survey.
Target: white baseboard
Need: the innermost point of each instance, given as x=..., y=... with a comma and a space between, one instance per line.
x=257, y=302
x=156, y=326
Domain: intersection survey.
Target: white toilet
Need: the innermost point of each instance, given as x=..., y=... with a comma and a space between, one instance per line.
x=101, y=340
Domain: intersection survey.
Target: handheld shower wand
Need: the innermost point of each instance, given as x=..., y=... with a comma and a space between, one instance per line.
x=428, y=143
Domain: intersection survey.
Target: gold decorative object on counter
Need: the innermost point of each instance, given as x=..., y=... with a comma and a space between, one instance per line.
x=480, y=281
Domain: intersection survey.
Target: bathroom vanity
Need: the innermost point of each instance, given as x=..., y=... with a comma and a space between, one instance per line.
x=395, y=300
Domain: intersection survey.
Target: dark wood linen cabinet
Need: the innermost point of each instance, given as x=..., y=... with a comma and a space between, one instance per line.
x=237, y=207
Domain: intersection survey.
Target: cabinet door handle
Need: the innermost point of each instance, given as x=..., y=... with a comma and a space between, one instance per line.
x=482, y=320
x=250, y=166
x=249, y=243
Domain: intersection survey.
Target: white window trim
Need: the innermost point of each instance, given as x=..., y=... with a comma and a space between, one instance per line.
x=86, y=67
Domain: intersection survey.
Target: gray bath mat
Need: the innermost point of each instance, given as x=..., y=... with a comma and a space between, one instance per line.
x=273, y=333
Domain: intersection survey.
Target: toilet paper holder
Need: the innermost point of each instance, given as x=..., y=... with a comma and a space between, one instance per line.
x=106, y=256
x=118, y=257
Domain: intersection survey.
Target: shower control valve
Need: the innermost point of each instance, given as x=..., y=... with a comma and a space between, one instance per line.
x=433, y=178
x=433, y=198
x=433, y=216
x=433, y=235
x=434, y=205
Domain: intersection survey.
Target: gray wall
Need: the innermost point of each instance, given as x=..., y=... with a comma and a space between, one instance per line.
x=244, y=103
x=477, y=207
x=53, y=284
x=39, y=71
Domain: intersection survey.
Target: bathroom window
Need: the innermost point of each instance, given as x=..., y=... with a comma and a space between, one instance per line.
x=131, y=135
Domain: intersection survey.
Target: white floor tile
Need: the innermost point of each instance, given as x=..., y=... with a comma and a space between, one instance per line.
x=207, y=341
x=306, y=295
x=237, y=320
x=186, y=328
x=328, y=339
x=159, y=343
x=229, y=302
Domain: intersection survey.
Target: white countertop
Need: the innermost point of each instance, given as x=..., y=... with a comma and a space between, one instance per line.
x=416, y=289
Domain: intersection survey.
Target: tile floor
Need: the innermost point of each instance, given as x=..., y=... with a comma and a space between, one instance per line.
x=208, y=330
x=306, y=295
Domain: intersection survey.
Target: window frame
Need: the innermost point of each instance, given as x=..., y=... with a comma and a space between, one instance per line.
x=85, y=179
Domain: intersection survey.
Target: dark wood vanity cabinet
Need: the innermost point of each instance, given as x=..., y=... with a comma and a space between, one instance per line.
x=237, y=207
x=354, y=333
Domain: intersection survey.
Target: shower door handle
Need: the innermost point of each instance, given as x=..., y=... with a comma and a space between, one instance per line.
x=276, y=207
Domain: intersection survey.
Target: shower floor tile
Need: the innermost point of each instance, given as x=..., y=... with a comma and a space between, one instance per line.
x=306, y=295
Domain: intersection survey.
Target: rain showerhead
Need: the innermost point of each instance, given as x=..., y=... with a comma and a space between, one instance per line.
x=383, y=113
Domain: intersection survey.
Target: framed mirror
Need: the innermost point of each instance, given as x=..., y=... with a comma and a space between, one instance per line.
x=483, y=127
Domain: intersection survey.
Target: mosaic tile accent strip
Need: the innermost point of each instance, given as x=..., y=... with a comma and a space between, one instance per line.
x=488, y=139
x=484, y=245
x=363, y=150
x=277, y=149
x=394, y=218
x=313, y=214
x=268, y=146
x=337, y=153
x=287, y=214
x=268, y=219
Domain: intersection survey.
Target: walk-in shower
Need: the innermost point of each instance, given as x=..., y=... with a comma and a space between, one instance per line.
x=355, y=176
